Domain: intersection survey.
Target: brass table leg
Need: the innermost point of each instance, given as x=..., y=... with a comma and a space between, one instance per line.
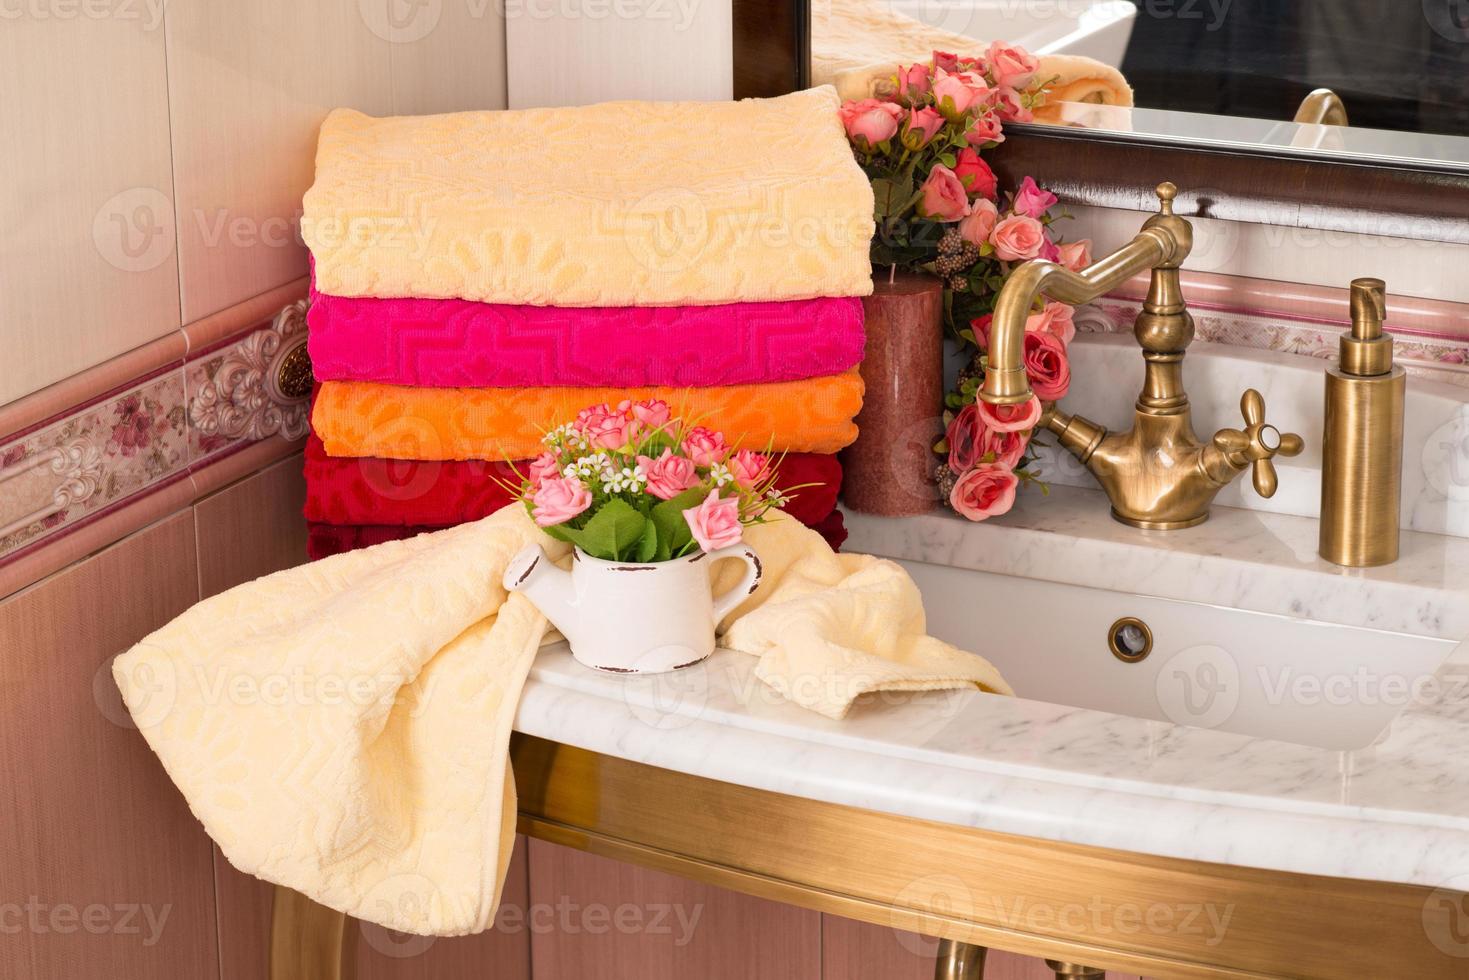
x=959, y=961
x=1075, y=971
x=307, y=940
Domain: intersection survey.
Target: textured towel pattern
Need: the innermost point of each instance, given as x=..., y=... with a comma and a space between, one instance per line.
x=372, y=490
x=359, y=418
x=396, y=804
x=619, y=204
x=452, y=343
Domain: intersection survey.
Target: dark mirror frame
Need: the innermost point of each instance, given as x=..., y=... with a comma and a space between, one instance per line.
x=772, y=54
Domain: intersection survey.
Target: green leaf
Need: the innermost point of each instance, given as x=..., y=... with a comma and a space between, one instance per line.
x=648, y=543
x=614, y=531
x=673, y=530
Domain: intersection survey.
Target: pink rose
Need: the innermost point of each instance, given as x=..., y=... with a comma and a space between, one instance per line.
x=1045, y=365
x=944, y=61
x=913, y=83
x=963, y=435
x=976, y=228
x=1010, y=107
x=1032, y=200
x=955, y=94
x=921, y=126
x=704, y=446
x=715, y=522
x=605, y=428
x=669, y=475
x=976, y=176
x=985, y=128
x=1017, y=238
x=1005, y=448
x=654, y=414
x=980, y=327
x=984, y=492
x=542, y=467
x=870, y=122
x=944, y=198
x=559, y=500
x=1010, y=418
x=749, y=467
x=1013, y=66
x=971, y=440
x=1056, y=319
x=1076, y=255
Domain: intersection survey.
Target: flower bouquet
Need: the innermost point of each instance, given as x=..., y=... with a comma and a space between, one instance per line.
x=939, y=210
x=644, y=499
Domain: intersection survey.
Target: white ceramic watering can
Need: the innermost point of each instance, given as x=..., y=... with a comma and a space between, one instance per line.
x=631, y=617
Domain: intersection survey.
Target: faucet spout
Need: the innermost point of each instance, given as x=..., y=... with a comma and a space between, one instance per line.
x=1159, y=474
x=1163, y=244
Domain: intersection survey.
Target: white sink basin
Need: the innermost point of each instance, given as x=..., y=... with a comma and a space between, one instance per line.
x=1260, y=674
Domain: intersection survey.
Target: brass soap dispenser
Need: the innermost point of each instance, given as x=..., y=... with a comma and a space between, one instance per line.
x=1362, y=448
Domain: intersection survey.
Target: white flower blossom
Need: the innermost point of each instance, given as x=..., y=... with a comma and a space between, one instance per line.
x=720, y=474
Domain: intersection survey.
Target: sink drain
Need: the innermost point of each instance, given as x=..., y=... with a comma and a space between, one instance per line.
x=1130, y=640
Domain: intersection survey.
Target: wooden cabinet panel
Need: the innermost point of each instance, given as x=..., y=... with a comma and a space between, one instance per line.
x=592, y=918
x=104, y=870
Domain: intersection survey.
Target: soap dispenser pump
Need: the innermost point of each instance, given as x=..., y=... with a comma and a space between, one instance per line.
x=1362, y=446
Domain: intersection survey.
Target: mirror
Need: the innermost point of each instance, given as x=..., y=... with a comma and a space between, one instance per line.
x=1236, y=73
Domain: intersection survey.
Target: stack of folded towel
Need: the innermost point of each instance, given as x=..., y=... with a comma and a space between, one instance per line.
x=480, y=277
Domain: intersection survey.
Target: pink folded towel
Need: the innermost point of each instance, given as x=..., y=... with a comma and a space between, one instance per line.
x=453, y=343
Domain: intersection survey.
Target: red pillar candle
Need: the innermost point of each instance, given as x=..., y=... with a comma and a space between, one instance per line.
x=889, y=469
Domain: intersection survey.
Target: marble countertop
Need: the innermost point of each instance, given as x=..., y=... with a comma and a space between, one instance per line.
x=1395, y=811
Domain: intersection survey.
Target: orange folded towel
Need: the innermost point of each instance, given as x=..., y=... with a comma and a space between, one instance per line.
x=360, y=418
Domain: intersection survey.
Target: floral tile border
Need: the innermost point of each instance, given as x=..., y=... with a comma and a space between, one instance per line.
x=1440, y=358
x=137, y=440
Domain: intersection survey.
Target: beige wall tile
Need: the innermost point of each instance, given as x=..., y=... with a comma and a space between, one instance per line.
x=250, y=82
x=459, y=61
x=252, y=528
x=91, y=818
x=87, y=239
x=672, y=928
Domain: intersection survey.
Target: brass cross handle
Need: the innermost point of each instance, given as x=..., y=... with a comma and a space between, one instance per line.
x=1258, y=444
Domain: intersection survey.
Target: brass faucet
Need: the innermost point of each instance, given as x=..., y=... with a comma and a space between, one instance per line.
x=1158, y=474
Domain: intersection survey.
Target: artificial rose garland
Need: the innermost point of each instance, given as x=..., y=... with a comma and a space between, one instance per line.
x=631, y=483
x=939, y=210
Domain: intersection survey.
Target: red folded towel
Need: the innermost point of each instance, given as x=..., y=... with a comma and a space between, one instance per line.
x=370, y=490
x=325, y=540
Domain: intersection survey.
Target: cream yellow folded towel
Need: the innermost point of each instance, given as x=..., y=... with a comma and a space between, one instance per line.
x=342, y=728
x=857, y=43
x=619, y=204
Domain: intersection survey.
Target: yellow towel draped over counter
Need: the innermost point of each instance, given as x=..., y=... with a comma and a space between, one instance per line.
x=618, y=204
x=361, y=418
x=342, y=728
